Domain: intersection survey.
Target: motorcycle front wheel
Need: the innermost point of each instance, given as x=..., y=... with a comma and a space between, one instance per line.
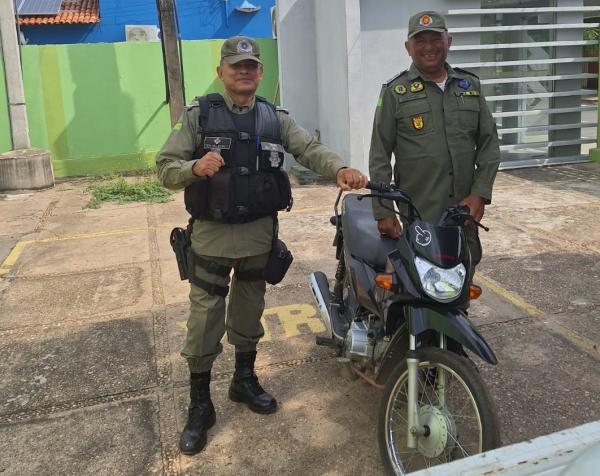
x=454, y=407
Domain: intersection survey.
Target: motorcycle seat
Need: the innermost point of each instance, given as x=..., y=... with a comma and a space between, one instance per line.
x=361, y=236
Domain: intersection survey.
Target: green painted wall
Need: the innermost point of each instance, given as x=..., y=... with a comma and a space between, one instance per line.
x=99, y=108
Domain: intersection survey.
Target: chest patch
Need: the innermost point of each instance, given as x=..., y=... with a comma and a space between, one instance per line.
x=274, y=150
x=418, y=122
x=218, y=143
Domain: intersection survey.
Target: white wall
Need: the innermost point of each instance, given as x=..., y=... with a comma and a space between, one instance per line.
x=338, y=72
x=319, y=53
x=296, y=45
x=332, y=74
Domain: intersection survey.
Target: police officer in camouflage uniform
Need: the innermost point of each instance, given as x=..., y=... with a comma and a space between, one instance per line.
x=227, y=152
x=436, y=122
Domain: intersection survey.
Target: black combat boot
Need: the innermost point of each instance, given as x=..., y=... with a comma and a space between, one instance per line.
x=245, y=388
x=201, y=415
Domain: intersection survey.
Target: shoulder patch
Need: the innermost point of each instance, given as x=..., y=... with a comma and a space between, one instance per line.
x=281, y=109
x=464, y=71
x=391, y=80
x=400, y=89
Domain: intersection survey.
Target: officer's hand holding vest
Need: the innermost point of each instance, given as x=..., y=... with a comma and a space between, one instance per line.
x=208, y=165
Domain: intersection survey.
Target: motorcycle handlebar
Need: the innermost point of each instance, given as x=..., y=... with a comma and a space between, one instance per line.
x=377, y=186
x=390, y=192
x=387, y=192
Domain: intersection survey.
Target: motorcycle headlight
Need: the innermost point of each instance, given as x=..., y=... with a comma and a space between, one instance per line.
x=441, y=284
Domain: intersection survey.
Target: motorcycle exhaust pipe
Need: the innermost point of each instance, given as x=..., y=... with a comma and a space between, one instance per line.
x=320, y=289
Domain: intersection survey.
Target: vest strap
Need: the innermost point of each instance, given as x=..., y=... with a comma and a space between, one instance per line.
x=211, y=266
x=211, y=288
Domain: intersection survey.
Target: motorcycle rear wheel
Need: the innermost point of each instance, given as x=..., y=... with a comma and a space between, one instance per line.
x=465, y=425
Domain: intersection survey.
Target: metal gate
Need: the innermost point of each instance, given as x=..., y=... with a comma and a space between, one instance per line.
x=540, y=86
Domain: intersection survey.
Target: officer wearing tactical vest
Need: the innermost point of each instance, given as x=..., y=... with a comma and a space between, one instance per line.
x=436, y=122
x=227, y=151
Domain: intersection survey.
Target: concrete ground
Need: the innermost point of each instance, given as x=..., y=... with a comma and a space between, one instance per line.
x=92, y=318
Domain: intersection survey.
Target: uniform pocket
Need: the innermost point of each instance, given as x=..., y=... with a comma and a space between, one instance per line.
x=196, y=198
x=271, y=192
x=416, y=118
x=221, y=197
x=468, y=111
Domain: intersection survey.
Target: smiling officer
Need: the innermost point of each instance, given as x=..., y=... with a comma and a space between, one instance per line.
x=436, y=122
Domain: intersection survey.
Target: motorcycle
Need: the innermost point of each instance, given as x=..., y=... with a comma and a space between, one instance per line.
x=397, y=316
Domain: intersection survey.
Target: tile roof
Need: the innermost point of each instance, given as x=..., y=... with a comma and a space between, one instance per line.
x=71, y=12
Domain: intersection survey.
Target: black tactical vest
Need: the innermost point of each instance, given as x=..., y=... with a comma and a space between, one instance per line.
x=252, y=183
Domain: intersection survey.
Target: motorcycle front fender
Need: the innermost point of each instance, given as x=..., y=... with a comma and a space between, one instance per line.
x=454, y=325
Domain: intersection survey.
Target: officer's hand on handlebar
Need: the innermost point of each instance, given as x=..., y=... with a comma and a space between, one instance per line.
x=476, y=206
x=348, y=179
x=208, y=165
x=390, y=227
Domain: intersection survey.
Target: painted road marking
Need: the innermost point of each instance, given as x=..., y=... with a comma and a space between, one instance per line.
x=290, y=317
x=586, y=344
x=13, y=256
x=515, y=300
x=293, y=318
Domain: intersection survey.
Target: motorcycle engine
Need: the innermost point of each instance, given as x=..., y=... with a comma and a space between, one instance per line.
x=358, y=346
x=364, y=342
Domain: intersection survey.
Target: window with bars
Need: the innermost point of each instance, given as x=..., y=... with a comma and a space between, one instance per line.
x=529, y=56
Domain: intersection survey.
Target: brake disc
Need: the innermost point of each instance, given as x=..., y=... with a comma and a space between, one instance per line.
x=442, y=431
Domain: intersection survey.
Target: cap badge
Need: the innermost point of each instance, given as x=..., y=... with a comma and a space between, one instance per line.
x=464, y=83
x=418, y=122
x=400, y=89
x=416, y=86
x=244, y=46
x=425, y=20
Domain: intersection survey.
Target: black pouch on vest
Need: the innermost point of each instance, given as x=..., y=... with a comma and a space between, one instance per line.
x=279, y=260
x=271, y=192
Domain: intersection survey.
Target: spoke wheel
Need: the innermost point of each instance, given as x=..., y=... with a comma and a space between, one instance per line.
x=454, y=407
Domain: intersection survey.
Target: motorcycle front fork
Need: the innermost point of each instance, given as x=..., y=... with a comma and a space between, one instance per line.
x=414, y=428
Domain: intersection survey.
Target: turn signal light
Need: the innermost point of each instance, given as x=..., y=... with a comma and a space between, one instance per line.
x=474, y=291
x=385, y=280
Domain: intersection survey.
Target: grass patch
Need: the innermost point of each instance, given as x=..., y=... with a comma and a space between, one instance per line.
x=121, y=191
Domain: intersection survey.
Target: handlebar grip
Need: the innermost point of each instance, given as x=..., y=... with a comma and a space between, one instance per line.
x=376, y=186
